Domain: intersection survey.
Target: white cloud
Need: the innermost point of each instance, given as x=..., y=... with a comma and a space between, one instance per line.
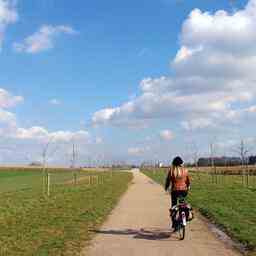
x=7, y=100
x=68, y=136
x=55, y=102
x=252, y=109
x=43, y=39
x=167, y=97
x=7, y=121
x=7, y=118
x=10, y=129
x=227, y=43
x=223, y=31
x=166, y=135
x=198, y=123
x=99, y=140
x=31, y=133
x=138, y=151
x=103, y=115
x=25, y=144
x=41, y=134
x=8, y=15
x=214, y=75
x=184, y=53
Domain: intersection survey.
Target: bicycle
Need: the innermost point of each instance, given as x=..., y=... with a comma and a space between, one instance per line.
x=181, y=213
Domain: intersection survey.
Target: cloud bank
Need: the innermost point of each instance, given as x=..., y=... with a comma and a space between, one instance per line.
x=10, y=129
x=214, y=78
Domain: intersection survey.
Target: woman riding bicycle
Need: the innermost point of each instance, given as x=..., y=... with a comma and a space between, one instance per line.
x=179, y=180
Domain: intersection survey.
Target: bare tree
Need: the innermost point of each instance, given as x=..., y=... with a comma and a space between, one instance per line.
x=45, y=157
x=242, y=150
x=74, y=158
x=45, y=152
x=74, y=155
x=194, y=153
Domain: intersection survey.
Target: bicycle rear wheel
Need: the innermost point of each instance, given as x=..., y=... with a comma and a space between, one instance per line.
x=182, y=231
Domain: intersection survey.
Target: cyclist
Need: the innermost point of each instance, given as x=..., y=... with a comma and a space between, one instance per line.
x=178, y=179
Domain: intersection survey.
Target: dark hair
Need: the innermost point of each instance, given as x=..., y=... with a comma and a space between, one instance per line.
x=177, y=161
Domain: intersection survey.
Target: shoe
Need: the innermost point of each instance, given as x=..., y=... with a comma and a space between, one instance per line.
x=173, y=230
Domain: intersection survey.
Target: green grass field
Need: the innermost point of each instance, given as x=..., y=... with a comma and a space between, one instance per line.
x=14, y=179
x=33, y=224
x=228, y=204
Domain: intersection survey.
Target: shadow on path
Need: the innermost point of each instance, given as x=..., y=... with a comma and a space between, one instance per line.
x=147, y=234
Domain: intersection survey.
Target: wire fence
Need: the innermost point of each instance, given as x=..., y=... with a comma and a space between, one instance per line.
x=243, y=176
x=46, y=180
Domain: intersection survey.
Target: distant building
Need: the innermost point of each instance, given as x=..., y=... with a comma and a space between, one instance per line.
x=252, y=160
x=219, y=161
x=36, y=164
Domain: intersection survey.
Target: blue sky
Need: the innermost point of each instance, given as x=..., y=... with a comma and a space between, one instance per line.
x=95, y=56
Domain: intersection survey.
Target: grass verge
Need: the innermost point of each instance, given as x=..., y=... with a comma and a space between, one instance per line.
x=229, y=205
x=31, y=224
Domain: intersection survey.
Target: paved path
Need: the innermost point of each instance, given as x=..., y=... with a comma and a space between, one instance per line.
x=139, y=226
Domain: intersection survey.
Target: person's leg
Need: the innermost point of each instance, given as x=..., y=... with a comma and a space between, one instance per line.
x=174, y=202
x=181, y=193
x=184, y=193
x=174, y=198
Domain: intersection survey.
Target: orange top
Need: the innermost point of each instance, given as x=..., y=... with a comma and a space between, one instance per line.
x=179, y=182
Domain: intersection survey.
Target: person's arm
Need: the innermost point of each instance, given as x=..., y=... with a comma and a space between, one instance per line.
x=188, y=182
x=168, y=180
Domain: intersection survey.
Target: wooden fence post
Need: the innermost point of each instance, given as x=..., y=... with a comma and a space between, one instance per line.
x=75, y=178
x=44, y=183
x=44, y=180
x=247, y=175
x=48, y=184
x=243, y=176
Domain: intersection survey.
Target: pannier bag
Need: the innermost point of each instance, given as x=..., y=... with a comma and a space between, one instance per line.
x=174, y=212
x=190, y=215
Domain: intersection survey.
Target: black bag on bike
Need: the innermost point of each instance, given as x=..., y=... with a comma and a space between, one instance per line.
x=188, y=211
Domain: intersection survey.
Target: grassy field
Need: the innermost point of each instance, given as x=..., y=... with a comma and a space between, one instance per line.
x=13, y=179
x=33, y=224
x=228, y=204
x=229, y=170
